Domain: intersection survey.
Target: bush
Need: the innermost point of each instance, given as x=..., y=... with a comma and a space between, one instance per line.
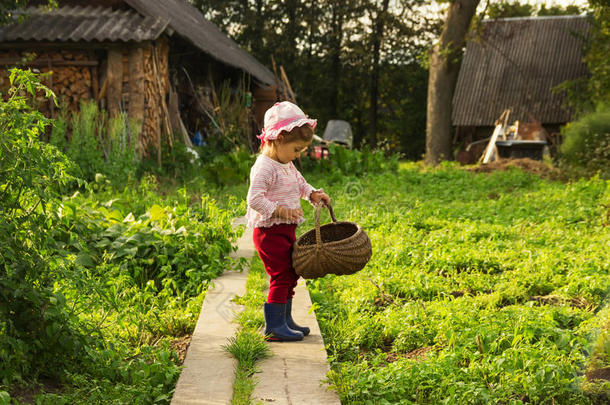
x=37, y=331
x=586, y=142
x=229, y=169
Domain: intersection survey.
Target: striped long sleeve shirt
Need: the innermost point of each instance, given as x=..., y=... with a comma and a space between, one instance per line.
x=271, y=184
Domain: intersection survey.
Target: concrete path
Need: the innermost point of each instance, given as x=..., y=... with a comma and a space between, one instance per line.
x=209, y=371
x=292, y=375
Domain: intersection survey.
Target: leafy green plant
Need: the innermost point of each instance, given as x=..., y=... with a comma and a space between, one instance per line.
x=485, y=288
x=587, y=142
x=37, y=329
x=98, y=144
x=229, y=168
x=96, y=283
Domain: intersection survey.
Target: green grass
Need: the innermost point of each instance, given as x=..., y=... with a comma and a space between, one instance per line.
x=248, y=345
x=483, y=288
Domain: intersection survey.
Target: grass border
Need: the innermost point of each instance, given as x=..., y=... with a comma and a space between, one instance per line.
x=248, y=345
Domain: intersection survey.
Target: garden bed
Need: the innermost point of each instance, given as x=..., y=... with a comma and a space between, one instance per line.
x=483, y=288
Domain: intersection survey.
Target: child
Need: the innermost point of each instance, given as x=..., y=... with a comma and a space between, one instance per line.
x=274, y=211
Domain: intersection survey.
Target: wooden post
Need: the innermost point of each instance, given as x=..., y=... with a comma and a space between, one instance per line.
x=114, y=81
x=136, y=84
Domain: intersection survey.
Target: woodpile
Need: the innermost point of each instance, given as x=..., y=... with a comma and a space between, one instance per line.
x=71, y=77
x=132, y=79
x=156, y=87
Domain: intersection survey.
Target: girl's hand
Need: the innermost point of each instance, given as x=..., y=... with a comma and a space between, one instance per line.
x=292, y=214
x=318, y=196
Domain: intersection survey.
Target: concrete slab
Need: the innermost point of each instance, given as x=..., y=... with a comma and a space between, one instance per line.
x=209, y=372
x=293, y=374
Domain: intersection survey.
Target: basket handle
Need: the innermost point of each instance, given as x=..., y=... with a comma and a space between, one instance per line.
x=332, y=215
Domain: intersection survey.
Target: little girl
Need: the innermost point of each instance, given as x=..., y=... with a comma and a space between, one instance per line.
x=274, y=211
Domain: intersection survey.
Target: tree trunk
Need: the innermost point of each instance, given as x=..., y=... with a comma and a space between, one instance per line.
x=377, y=36
x=336, y=59
x=444, y=67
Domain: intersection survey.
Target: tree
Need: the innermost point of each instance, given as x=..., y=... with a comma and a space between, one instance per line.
x=7, y=7
x=444, y=67
x=597, y=55
x=338, y=54
x=378, y=24
x=505, y=9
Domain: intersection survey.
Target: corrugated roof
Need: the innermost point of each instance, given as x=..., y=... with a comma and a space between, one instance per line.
x=188, y=22
x=84, y=24
x=514, y=63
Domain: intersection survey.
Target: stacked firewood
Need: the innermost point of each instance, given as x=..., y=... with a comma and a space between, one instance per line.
x=71, y=84
x=156, y=120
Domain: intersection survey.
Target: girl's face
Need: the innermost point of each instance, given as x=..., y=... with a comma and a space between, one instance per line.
x=287, y=152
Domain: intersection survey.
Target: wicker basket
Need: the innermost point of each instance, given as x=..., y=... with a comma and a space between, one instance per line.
x=335, y=248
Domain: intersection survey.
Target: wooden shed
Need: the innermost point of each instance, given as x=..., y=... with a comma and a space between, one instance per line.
x=516, y=63
x=136, y=56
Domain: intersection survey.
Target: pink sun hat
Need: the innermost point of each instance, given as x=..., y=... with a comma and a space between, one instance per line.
x=284, y=116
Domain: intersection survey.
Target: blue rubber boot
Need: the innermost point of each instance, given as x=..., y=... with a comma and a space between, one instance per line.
x=275, y=324
x=290, y=321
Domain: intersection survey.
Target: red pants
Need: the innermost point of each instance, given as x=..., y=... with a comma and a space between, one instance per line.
x=274, y=246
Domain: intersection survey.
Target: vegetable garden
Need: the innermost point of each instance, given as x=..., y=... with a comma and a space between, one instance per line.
x=483, y=288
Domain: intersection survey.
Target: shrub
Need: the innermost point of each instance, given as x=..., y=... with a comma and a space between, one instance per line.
x=587, y=142
x=229, y=169
x=36, y=328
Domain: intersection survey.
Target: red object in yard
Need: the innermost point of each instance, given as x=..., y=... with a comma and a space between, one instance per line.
x=319, y=152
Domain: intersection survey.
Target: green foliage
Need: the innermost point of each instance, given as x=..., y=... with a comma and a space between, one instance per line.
x=326, y=50
x=346, y=162
x=597, y=56
x=33, y=316
x=504, y=9
x=482, y=288
x=8, y=6
x=97, y=144
x=584, y=94
x=587, y=142
x=569, y=9
x=95, y=285
x=229, y=168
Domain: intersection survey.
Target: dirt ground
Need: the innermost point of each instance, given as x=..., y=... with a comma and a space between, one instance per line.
x=599, y=374
x=180, y=345
x=528, y=165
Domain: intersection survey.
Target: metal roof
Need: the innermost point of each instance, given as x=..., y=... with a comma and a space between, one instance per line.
x=83, y=24
x=514, y=63
x=189, y=23
x=147, y=21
